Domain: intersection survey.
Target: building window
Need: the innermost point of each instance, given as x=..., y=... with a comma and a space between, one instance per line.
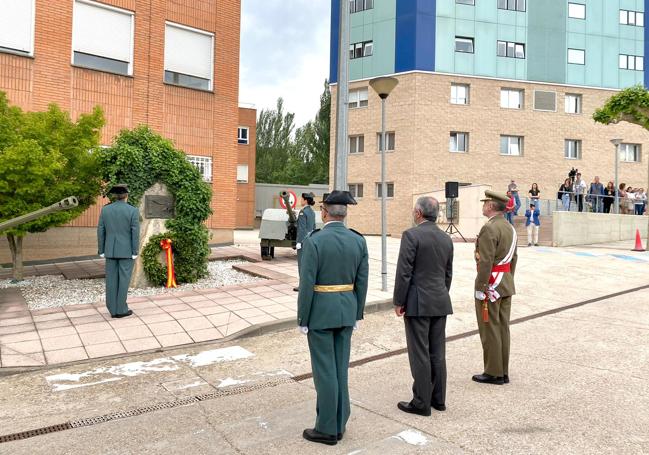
x=465, y=2
x=572, y=149
x=459, y=94
x=573, y=103
x=509, y=49
x=203, y=164
x=577, y=10
x=357, y=98
x=356, y=144
x=631, y=62
x=630, y=153
x=242, y=173
x=512, y=5
x=360, y=5
x=631, y=18
x=17, y=26
x=511, y=145
x=102, y=37
x=464, y=44
x=356, y=190
x=459, y=142
x=390, y=135
x=359, y=50
x=242, y=135
x=189, y=57
x=390, y=192
x=577, y=56
x=545, y=101
x=511, y=98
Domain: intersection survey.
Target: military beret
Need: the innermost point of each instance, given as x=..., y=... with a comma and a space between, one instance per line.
x=120, y=188
x=338, y=197
x=495, y=196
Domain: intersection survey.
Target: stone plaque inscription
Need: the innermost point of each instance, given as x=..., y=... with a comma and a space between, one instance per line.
x=159, y=207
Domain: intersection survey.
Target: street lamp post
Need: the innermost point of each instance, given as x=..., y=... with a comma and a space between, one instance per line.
x=383, y=86
x=616, y=142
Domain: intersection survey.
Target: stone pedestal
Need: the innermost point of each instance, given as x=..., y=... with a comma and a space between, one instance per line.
x=148, y=228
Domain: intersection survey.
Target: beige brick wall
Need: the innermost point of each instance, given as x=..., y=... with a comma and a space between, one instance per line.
x=420, y=113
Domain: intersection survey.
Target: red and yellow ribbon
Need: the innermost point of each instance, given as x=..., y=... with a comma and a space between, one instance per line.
x=171, y=274
x=485, y=310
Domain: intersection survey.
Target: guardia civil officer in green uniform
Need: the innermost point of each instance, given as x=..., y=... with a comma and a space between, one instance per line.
x=118, y=238
x=495, y=255
x=333, y=287
x=305, y=224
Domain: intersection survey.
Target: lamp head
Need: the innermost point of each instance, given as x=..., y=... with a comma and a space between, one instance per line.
x=616, y=142
x=383, y=85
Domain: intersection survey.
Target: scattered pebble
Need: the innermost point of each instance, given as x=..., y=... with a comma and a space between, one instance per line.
x=50, y=291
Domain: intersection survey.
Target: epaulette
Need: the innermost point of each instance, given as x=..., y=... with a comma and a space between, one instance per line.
x=311, y=233
x=356, y=232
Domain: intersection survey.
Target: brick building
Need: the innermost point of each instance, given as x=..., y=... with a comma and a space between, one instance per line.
x=170, y=64
x=489, y=90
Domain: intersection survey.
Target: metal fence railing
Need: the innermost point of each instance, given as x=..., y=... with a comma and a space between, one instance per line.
x=590, y=203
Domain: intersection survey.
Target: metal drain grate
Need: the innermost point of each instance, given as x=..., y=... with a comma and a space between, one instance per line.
x=32, y=433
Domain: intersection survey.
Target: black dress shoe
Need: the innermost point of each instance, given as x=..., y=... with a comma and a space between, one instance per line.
x=409, y=408
x=438, y=407
x=339, y=436
x=485, y=378
x=310, y=434
x=128, y=313
x=506, y=379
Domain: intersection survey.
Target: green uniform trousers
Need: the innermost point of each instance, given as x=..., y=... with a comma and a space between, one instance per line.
x=329, y=350
x=495, y=336
x=299, y=260
x=118, y=277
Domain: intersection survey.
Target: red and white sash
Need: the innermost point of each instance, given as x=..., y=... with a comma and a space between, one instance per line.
x=499, y=270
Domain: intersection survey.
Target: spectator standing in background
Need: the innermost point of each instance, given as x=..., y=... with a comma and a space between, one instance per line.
x=535, y=195
x=564, y=194
x=630, y=200
x=609, y=197
x=579, y=188
x=513, y=188
x=533, y=224
x=621, y=195
x=595, y=193
x=509, y=209
x=639, y=201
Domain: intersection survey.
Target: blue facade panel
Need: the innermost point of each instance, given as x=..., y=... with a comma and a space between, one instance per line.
x=415, y=35
x=333, y=50
x=646, y=45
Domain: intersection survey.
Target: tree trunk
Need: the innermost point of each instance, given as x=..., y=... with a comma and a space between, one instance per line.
x=16, y=247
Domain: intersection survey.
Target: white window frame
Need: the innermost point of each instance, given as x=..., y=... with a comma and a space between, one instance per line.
x=109, y=8
x=243, y=140
x=633, y=150
x=200, y=32
x=633, y=18
x=576, y=56
x=576, y=10
x=356, y=142
x=569, y=103
x=388, y=185
x=465, y=2
x=512, y=5
x=454, y=142
x=631, y=62
x=388, y=135
x=353, y=189
x=204, y=162
x=364, y=5
x=510, y=49
x=240, y=172
x=32, y=26
x=509, y=92
x=364, y=48
x=357, y=98
x=455, y=98
x=572, y=149
x=510, y=145
x=465, y=40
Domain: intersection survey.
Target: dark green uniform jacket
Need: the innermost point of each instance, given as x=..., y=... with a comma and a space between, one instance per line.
x=118, y=232
x=305, y=223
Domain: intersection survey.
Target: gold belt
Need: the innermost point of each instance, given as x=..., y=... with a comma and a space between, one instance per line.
x=333, y=287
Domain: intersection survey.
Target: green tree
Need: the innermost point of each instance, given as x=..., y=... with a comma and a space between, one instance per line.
x=274, y=144
x=630, y=105
x=45, y=157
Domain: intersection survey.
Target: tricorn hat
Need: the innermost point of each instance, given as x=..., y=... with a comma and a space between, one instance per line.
x=495, y=196
x=337, y=197
x=120, y=188
x=308, y=195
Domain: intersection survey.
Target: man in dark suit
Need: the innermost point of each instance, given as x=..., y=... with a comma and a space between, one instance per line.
x=118, y=239
x=333, y=288
x=422, y=283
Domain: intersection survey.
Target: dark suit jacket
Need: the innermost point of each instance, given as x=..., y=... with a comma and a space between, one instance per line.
x=424, y=271
x=118, y=231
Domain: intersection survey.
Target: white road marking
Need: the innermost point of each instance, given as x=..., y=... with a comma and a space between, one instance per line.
x=412, y=437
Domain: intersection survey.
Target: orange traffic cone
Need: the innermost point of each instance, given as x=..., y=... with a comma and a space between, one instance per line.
x=638, y=241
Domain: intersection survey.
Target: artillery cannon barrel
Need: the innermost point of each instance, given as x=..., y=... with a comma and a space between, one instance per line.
x=289, y=210
x=64, y=204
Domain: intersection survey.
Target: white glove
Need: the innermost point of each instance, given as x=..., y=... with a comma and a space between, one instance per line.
x=357, y=325
x=134, y=257
x=303, y=329
x=102, y=255
x=479, y=295
x=298, y=246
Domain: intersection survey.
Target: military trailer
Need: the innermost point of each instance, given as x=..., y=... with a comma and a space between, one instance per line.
x=279, y=228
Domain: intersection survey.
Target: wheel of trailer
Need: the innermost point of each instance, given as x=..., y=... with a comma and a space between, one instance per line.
x=265, y=253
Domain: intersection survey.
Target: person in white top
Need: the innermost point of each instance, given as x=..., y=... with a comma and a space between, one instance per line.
x=579, y=188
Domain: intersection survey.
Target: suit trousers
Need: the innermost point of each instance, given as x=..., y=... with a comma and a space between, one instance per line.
x=426, y=340
x=532, y=233
x=494, y=336
x=118, y=277
x=329, y=350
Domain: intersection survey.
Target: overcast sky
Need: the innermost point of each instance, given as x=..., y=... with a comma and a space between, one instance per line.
x=284, y=53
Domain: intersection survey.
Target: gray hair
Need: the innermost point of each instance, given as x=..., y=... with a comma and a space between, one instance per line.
x=336, y=210
x=498, y=206
x=428, y=206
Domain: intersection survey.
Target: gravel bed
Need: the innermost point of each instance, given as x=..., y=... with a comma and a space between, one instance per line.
x=51, y=291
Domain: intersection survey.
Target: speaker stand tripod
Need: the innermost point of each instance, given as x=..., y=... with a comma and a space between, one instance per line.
x=452, y=229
